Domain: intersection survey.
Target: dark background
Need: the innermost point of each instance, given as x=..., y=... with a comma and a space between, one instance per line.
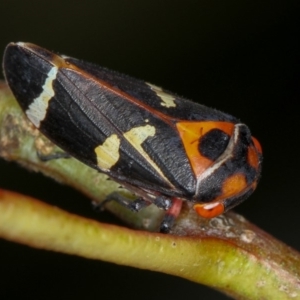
x=238, y=56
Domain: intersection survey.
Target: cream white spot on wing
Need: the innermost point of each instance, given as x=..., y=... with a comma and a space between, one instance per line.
x=37, y=110
x=108, y=153
x=136, y=136
x=167, y=100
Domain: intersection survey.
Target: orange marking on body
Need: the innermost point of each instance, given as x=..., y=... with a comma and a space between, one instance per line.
x=252, y=157
x=191, y=132
x=254, y=185
x=257, y=144
x=253, y=153
x=233, y=185
x=209, y=210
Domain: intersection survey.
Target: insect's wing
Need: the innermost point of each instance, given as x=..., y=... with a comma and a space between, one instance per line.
x=159, y=99
x=92, y=116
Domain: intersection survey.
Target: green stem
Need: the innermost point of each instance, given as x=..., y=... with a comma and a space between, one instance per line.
x=227, y=253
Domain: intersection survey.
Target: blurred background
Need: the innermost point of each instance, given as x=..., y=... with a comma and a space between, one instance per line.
x=242, y=57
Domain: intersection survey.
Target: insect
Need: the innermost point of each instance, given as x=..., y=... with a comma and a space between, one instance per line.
x=162, y=147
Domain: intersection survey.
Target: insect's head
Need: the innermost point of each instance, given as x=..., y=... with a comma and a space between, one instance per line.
x=234, y=170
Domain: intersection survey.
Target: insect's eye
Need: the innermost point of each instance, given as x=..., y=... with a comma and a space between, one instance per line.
x=209, y=210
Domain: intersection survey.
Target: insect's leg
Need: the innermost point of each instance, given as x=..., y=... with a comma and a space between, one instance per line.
x=135, y=205
x=55, y=155
x=171, y=215
x=163, y=202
